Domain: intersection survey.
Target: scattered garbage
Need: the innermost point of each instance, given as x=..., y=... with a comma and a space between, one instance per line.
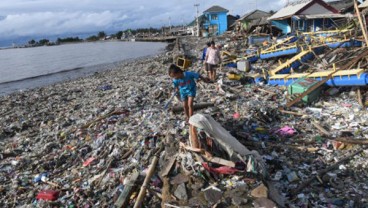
x=72, y=145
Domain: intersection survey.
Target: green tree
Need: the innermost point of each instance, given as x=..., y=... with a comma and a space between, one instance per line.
x=271, y=12
x=119, y=34
x=32, y=42
x=44, y=42
x=92, y=38
x=101, y=34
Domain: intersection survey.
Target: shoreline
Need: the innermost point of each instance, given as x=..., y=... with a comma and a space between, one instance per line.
x=82, y=42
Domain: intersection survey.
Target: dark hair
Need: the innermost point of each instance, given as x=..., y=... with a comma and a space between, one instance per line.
x=208, y=44
x=212, y=42
x=173, y=69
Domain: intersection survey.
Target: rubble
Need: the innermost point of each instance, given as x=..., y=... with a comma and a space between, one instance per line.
x=95, y=141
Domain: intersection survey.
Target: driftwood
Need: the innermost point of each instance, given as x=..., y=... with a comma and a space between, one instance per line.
x=142, y=192
x=208, y=156
x=292, y=113
x=111, y=113
x=168, y=166
x=360, y=98
x=352, y=141
x=362, y=27
x=177, y=109
x=324, y=171
x=126, y=155
x=166, y=196
x=193, y=137
x=321, y=129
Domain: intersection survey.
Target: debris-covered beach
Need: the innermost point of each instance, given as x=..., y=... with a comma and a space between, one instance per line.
x=98, y=140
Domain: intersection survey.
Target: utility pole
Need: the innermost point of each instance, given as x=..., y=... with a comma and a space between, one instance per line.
x=197, y=5
x=170, y=23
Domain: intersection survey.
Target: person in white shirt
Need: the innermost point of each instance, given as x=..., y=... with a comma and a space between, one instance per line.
x=213, y=58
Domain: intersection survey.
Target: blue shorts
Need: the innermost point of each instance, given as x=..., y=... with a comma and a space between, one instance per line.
x=184, y=96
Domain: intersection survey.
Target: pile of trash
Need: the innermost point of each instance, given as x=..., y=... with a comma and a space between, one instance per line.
x=107, y=141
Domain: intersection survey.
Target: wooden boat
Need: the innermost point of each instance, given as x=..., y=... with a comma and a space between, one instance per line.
x=355, y=77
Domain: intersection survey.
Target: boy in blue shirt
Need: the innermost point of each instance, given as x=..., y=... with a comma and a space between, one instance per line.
x=184, y=82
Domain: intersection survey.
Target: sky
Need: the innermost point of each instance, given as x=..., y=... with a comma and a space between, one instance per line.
x=27, y=18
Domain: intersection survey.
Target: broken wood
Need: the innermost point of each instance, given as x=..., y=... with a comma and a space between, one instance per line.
x=212, y=159
x=166, y=196
x=220, y=161
x=142, y=192
x=360, y=98
x=314, y=87
x=292, y=113
x=352, y=141
x=177, y=109
x=192, y=149
x=111, y=113
x=324, y=171
x=263, y=90
x=321, y=129
x=193, y=136
x=168, y=166
x=124, y=196
x=52, y=184
x=364, y=29
x=126, y=155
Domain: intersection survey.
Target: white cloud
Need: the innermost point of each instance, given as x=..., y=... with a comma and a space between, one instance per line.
x=53, y=23
x=50, y=17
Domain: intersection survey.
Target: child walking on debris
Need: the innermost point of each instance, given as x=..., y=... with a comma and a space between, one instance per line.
x=184, y=83
x=213, y=58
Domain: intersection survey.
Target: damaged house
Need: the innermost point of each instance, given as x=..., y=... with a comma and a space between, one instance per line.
x=306, y=16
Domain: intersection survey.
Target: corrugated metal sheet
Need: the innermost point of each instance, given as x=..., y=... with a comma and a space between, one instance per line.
x=290, y=9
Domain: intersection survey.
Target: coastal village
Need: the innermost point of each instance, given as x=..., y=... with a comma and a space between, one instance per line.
x=285, y=123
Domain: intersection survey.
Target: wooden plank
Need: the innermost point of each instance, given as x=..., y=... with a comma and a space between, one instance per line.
x=168, y=166
x=166, y=196
x=352, y=141
x=209, y=158
x=314, y=87
x=292, y=113
x=124, y=196
x=192, y=149
x=364, y=29
x=142, y=192
x=321, y=129
x=360, y=98
x=127, y=154
x=193, y=136
x=220, y=161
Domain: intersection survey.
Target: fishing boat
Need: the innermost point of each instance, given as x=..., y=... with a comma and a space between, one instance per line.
x=296, y=61
x=355, y=77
